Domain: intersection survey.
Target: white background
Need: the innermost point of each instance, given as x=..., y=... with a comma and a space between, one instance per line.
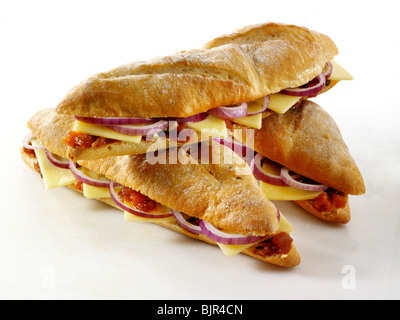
x=54, y=244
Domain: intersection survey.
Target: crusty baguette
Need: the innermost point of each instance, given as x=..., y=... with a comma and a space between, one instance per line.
x=276, y=31
x=291, y=259
x=195, y=81
x=223, y=192
x=307, y=140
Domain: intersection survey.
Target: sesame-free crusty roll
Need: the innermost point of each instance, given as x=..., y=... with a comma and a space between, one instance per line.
x=307, y=140
x=195, y=81
x=271, y=31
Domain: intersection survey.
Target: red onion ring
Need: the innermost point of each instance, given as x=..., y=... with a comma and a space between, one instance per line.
x=264, y=107
x=114, y=121
x=27, y=140
x=140, y=130
x=288, y=179
x=265, y=176
x=55, y=162
x=129, y=209
x=328, y=72
x=233, y=112
x=309, y=91
x=85, y=179
x=195, y=118
x=186, y=224
x=227, y=238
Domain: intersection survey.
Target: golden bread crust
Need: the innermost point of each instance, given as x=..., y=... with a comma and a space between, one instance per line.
x=307, y=140
x=195, y=81
x=276, y=31
x=226, y=195
x=291, y=259
x=50, y=129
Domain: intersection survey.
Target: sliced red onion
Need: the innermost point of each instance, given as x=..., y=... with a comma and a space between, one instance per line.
x=85, y=179
x=129, y=209
x=328, y=72
x=27, y=140
x=264, y=107
x=308, y=91
x=131, y=130
x=227, y=238
x=195, y=118
x=58, y=163
x=265, y=176
x=108, y=121
x=233, y=112
x=186, y=224
x=287, y=178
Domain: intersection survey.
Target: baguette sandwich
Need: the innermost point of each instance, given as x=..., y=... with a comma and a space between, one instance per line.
x=188, y=96
x=302, y=157
x=217, y=202
x=280, y=102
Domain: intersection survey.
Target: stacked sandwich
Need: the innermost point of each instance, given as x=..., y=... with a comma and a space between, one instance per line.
x=201, y=141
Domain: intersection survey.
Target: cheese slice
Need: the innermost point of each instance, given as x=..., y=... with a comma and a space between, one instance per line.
x=281, y=102
x=210, y=127
x=339, y=73
x=254, y=121
x=104, y=132
x=232, y=250
x=287, y=193
x=129, y=217
x=53, y=176
x=91, y=192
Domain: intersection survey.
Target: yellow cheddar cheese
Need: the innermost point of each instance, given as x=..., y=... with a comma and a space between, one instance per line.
x=281, y=102
x=287, y=193
x=210, y=127
x=254, y=121
x=53, y=176
x=339, y=73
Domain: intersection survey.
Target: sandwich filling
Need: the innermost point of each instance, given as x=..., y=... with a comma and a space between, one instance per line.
x=279, y=183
